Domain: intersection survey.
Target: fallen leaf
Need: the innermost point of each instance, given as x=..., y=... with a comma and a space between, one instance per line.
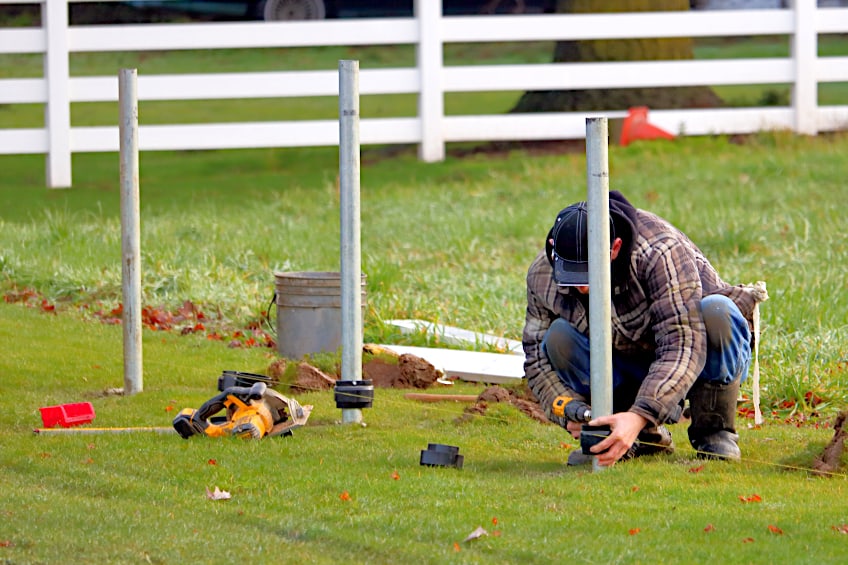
x=634, y=489
x=395, y=475
x=748, y=540
x=7, y=543
x=697, y=469
x=168, y=408
x=217, y=494
x=345, y=496
x=496, y=533
x=775, y=530
x=212, y=462
x=478, y=533
x=495, y=520
x=843, y=529
x=456, y=547
x=752, y=498
x=709, y=528
x=633, y=531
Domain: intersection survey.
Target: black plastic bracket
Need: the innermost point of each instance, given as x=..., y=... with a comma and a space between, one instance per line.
x=438, y=455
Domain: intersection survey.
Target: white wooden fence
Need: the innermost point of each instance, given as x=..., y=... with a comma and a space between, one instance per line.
x=430, y=79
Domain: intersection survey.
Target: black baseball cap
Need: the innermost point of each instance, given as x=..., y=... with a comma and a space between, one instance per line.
x=570, y=250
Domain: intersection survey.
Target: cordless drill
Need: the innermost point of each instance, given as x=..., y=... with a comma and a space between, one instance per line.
x=579, y=411
x=572, y=409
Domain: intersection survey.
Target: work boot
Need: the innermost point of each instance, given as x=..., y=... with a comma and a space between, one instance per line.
x=651, y=441
x=713, y=429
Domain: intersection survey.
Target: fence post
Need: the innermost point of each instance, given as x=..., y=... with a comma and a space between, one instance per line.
x=57, y=112
x=431, y=105
x=351, y=260
x=130, y=231
x=600, y=291
x=804, y=55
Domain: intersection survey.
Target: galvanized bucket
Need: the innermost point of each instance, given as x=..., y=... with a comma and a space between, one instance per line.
x=309, y=312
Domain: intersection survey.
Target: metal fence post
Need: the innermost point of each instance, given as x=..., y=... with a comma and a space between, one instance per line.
x=351, y=261
x=600, y=301
x=130, y=231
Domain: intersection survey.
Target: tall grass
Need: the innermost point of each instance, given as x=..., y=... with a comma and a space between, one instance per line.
x=447, y=242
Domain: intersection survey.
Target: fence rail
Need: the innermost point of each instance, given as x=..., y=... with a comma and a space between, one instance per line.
x=430, y=79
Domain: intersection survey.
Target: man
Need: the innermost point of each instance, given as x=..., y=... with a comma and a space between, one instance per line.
x=678, y=331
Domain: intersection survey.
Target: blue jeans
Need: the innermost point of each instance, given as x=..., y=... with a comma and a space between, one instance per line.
x=728, y=353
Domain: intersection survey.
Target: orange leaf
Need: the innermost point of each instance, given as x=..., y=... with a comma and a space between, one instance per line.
x=6, y=543
x=748, y=540
x=709, y=528
x=496, y=533
x=697, y=469
x=843, y=529
x=168, y=408
x=395, y=475
x=345, y=496
x=775, y=530
x=633, y=531
x=752, y=498
x=456, y=547
x=634, y=489
x=495, y=520
x=212, y=462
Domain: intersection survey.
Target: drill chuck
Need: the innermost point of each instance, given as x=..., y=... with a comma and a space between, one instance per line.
x=571, y=409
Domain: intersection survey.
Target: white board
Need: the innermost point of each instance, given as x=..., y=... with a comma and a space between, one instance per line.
x=458, y=336
x=474, y=366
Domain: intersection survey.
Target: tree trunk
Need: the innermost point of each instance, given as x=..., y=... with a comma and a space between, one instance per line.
x=650, y=49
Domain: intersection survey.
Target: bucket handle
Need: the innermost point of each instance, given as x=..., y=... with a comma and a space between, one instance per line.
x=268, y=315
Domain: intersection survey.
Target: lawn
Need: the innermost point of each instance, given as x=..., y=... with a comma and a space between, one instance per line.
x=447, y=242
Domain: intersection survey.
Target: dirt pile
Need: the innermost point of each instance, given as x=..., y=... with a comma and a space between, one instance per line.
x=827, y=462
x=386, y=369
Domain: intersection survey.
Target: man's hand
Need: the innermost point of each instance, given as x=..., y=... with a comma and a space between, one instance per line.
x=574, y=428
x=625, y=427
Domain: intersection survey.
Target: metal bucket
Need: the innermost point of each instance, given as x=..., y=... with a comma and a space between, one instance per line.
x=309, y=312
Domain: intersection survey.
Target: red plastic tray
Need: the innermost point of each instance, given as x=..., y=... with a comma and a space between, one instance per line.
x=67, y=415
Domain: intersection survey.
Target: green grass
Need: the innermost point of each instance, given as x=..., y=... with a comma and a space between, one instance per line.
x=448, y=242
x=369, y=57
x=141, y=497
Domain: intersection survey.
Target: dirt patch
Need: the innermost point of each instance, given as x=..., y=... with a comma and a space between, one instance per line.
x=828, y=461
x=385, y=369
x=522, y=399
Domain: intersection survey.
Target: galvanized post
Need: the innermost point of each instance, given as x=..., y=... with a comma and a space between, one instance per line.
x=600, y=295
x=130, y=231
x=351, y=260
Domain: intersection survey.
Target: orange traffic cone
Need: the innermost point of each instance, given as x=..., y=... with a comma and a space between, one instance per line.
x=636, y=127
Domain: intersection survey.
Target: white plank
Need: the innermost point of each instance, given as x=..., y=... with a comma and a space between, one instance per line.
x=458, y=336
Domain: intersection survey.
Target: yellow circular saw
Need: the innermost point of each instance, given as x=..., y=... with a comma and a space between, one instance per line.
x=252, y=412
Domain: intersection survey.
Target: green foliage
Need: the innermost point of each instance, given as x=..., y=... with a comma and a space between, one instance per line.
x=141, y=497
x=449, y=243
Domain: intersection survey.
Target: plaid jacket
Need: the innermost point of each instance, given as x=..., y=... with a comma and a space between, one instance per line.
x=658, y=281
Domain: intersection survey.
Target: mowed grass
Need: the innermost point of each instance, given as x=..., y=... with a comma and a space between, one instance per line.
x=336, y=492
x=447, y=242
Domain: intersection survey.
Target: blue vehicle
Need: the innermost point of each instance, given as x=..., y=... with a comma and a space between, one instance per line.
x=283, y=10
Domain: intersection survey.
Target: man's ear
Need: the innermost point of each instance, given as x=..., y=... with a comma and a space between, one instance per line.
x=615, y=249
